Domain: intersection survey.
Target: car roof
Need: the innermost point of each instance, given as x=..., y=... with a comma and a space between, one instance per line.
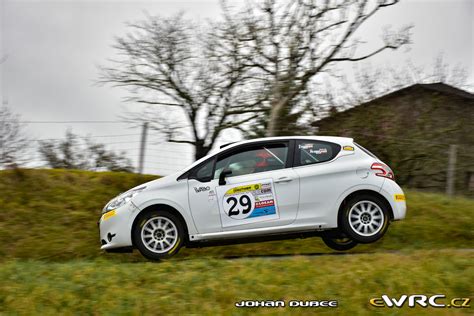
x=334, y=139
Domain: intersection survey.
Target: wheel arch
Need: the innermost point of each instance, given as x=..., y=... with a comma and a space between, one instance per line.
x=361, y=192
x=161, y=206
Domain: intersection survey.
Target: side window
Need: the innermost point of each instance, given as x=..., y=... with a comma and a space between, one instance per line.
x=204, y=171
x=310, y=152
x=254, y=160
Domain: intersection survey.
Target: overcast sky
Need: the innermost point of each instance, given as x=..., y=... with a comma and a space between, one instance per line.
x=52, y=49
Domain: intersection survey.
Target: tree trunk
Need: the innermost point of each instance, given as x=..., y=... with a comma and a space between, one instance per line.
x=278, y=104
x=200, y=150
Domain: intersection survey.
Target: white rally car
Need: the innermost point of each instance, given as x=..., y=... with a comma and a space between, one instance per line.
x=257, y=190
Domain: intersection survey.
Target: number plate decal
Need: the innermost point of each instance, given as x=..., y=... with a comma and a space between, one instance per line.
x=246, y=203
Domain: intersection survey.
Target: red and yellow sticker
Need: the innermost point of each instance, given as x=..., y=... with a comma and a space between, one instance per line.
x=399, y=197
x=108, y=215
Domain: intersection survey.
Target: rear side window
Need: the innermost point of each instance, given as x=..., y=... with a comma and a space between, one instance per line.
x=309, y=152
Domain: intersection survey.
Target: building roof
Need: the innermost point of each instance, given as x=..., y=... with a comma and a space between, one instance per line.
x=444, y=88
x=437, y=87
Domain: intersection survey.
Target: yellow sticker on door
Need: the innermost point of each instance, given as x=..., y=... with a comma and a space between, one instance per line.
x=244, y=188
x=399, y=197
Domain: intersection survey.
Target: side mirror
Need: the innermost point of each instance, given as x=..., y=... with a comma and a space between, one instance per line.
x=222, y=176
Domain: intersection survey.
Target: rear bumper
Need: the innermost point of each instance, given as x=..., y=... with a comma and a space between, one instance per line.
x=396, y=197
x=115, y=227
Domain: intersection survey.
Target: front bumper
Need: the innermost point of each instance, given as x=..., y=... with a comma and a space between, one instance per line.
x=395, y=196
x=115, y=227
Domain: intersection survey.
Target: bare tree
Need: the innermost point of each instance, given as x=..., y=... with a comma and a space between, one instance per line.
x=13, y=142
x=370, y=82
x=193, y=90
x=290, y=43
x=75, y=152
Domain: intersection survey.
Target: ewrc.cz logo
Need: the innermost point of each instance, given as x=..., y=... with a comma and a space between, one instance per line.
x=420, y=300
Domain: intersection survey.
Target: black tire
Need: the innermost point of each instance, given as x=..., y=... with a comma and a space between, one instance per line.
x=339, y=243
x=372, y=226
x=161, y=216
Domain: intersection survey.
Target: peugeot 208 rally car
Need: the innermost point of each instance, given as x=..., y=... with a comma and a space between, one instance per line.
x=261, y=189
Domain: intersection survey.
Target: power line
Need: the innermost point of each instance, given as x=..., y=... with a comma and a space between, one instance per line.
x=113, y=143
x=170, y=151
x=84, y=137
x=167, y=157
x=128, y=142
x=70, y=122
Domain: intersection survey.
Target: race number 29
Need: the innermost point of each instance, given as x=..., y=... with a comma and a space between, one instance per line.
x=239, y=206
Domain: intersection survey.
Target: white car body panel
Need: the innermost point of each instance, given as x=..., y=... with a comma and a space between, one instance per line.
x=118, y=225
x=388, y=190
x=325, y=185
x=168, y=191
x=208, y=218
x=310, y=201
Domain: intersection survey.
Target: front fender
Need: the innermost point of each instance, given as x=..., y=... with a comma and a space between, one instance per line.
x=144, y=200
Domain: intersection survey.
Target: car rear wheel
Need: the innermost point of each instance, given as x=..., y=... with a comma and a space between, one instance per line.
x=338, y=242
x=158, y=234
x=365, y=218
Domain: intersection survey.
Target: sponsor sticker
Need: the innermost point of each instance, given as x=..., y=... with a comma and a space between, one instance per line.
x=244, y=188
x=306, y=146
x=319, y=151
x=212, y=195
x=399, y=197
x=201, y=189
x=247, y=203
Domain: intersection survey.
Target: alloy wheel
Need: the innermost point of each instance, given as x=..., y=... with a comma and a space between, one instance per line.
x=366, y=218
x=159, y=234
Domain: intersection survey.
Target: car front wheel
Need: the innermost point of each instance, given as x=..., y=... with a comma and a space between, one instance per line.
x=365, y=218
x=158, y=234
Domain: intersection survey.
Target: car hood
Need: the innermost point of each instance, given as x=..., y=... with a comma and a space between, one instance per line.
x=160, y=182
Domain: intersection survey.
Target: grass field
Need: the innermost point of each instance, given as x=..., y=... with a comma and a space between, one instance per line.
x=213, y=286
x=50, y=262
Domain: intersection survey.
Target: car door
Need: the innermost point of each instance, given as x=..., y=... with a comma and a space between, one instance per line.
x=203, y=199
x=322, y=179
x=261, y=190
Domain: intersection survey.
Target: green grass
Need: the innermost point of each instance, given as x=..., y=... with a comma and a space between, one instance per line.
x=52, y=215
x=212, y=287
x=50, y=260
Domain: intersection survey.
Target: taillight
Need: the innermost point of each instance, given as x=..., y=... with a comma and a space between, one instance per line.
x=382, y=170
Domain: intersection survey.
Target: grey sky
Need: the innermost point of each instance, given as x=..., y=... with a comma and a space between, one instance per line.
x=53, y=49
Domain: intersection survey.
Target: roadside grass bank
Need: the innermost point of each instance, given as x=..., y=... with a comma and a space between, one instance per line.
x=213, y=286
x=52, y=215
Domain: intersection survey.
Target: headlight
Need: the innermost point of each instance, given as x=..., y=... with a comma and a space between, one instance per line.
x=122, y=199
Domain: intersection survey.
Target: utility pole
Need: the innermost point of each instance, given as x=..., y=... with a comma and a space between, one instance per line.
x=451, y=174
x=141, y=158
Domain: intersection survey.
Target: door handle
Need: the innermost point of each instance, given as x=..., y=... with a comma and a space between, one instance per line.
x=283, y=180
